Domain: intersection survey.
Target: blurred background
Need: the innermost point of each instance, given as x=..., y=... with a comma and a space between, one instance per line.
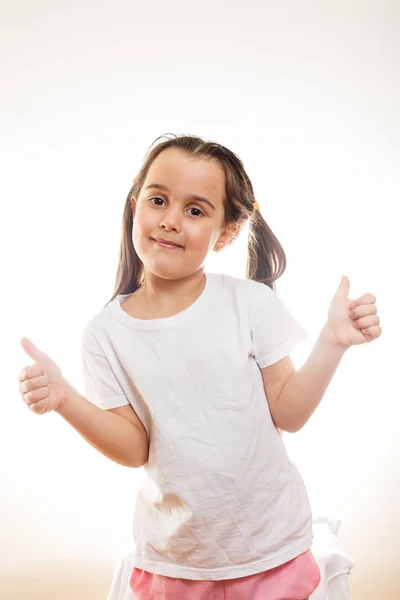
x=308, y=95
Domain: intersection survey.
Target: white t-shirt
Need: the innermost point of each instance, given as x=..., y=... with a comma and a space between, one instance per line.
x=221, y=498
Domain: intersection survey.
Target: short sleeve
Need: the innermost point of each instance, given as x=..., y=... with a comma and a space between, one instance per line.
x=100, y=384
x=274, y=330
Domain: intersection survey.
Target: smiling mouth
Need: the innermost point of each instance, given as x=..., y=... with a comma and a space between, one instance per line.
x=165, y=245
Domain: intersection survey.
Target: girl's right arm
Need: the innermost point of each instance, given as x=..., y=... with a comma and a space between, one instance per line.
x=117, y=433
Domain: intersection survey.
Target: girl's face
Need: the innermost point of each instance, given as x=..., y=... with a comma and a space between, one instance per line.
x=166, y=208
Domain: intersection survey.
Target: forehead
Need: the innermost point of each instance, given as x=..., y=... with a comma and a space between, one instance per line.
x=179, y=171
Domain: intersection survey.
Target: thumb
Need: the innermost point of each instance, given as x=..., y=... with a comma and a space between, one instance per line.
x=344, y=287
x=32, y=350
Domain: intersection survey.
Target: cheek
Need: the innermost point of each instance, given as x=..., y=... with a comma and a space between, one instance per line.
x=140, y=236
x=142, y=223
x=197, y=239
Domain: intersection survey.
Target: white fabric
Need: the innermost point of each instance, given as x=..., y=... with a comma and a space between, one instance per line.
x=338, y=588
x=334, y=564
x=221, y=499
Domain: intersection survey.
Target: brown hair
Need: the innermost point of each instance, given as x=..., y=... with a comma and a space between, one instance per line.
x=266, y=260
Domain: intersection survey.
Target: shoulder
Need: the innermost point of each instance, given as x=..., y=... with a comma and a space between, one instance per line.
x=246, y=294
x=101, y=316
x=95, y=330
x=242, y=285
x=89, y=341
x=249, y=291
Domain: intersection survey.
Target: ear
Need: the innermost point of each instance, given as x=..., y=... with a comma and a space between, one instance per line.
x=133, y=203
x=226, y=235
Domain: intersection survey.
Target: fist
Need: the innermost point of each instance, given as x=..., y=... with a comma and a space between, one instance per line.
x=42, y=385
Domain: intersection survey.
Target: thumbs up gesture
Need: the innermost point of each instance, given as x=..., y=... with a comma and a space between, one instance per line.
x=352, y=322
x=42, y=385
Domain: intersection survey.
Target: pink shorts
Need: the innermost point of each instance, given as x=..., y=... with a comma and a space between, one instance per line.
x=295, y=580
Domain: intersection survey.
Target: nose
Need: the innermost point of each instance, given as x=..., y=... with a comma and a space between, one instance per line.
x=171, y=219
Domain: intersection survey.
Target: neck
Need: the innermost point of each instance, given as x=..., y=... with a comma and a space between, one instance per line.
x=158, y=291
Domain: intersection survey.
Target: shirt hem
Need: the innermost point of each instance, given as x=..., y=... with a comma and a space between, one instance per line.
x=114, y=403
x=181, y=572
x=271, y=358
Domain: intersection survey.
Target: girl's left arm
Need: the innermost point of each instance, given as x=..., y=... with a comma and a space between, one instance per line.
x=350, y=322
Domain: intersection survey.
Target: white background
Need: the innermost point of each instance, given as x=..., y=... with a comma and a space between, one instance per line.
x=308, y=95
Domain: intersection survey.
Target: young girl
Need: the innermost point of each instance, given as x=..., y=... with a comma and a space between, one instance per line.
x=188, y=374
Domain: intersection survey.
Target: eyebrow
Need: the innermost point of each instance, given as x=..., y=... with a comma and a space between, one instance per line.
x=160, y=186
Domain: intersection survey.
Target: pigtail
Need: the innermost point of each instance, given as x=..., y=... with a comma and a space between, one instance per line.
x=130, y=270
x=266, y=259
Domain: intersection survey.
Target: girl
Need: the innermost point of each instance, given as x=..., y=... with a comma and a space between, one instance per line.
x=188, y=374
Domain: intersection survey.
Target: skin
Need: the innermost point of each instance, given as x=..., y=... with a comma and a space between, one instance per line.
x=174, y=278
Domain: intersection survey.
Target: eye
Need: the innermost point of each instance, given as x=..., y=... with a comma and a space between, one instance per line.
x=194, y=208
x=158, y=197
x=162, y=199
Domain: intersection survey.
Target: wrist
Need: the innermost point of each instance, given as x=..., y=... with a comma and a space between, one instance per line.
x=328, y=341
x=68, y=392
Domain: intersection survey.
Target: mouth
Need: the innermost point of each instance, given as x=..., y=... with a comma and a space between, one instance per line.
x=163, y=244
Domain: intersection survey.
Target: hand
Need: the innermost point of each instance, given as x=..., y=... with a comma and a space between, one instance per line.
x=42, y=385
x=351, y=322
